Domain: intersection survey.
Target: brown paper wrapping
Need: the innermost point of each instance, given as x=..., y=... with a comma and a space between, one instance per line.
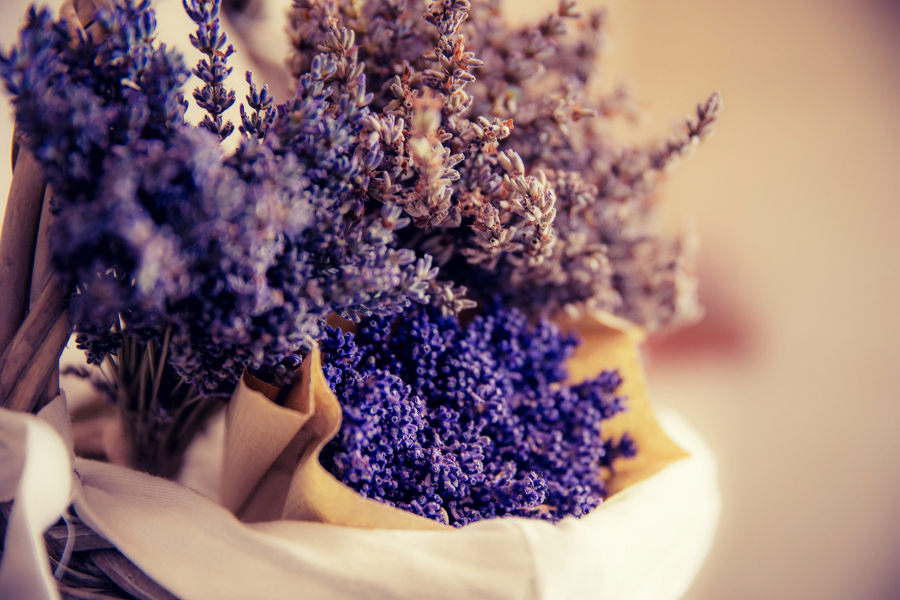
x=271, y=464
x=612, y=343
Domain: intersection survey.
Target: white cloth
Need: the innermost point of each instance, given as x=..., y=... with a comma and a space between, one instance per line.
x=646, y=543
x=36, y=471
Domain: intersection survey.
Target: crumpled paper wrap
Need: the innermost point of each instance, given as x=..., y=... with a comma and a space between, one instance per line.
x=271, y=469
x=609, y=342
x=271, y=465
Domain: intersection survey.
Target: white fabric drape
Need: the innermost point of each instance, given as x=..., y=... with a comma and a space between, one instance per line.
x=36, y=471
x=648, y=542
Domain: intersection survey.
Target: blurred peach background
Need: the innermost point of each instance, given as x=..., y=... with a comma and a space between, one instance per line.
x=796, y=200
x=794, y=377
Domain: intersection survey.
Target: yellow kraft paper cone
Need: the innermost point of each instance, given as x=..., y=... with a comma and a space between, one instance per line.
x=272, y=469
x=271, y=465
x=612, y=343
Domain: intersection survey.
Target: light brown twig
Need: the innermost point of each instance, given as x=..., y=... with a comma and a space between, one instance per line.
x=17, y=241
x=33, y=354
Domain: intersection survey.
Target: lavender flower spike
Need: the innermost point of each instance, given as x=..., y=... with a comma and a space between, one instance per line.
x=213, y=70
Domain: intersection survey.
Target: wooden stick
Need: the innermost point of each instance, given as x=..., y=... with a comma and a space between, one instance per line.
x=42, y=267
x=32, y=383
x=27, y=354
x=79, y=15
x=17, y=240
x=39, y=274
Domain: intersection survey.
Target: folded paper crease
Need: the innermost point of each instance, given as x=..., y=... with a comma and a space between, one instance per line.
x=271, y=464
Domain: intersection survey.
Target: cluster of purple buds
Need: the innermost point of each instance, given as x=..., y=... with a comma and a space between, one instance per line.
x=462, y=424
x=504, y=163
x=213, y=97
x=237, y=260
x=422, y=154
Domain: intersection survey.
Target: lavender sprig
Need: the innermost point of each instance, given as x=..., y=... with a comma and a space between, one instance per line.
x=256, y=124
x=213, y=70
x=75, y=99
x=425, y=151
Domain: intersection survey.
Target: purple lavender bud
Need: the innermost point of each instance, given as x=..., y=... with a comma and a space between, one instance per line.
x=462, y=424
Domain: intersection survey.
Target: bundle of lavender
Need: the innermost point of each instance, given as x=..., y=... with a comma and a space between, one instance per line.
x=432, y=164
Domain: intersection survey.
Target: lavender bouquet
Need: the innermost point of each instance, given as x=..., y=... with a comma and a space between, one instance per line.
x=195, y=265
x=437, y=189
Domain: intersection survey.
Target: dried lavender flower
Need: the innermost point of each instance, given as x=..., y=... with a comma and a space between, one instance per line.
x=262, y=104
x=213, y=96
x=238, y=259
x=463, y=424
x=493, y=148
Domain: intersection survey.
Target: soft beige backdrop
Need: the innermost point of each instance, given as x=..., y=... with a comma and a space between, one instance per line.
x=797, y=199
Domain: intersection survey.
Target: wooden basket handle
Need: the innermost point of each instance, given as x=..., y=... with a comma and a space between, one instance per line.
x=34, y=328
